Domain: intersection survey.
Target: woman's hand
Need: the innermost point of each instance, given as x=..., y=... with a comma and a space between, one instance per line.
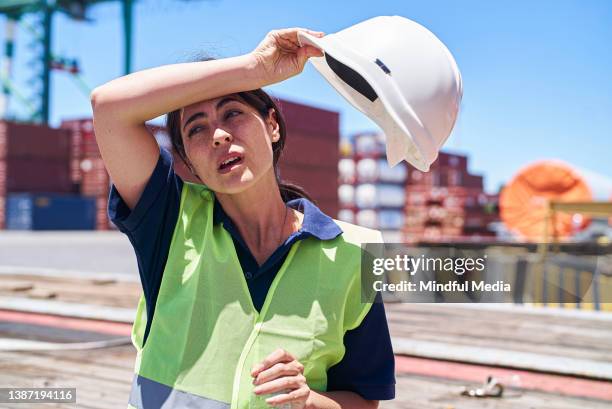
x=281, y=373
x=279, y=55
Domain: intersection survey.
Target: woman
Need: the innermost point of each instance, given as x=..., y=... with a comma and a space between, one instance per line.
x=251, y=294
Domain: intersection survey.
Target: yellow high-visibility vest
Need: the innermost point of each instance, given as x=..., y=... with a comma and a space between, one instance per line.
x=206, y=335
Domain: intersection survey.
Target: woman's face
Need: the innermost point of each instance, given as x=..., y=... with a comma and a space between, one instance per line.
x=223, y=128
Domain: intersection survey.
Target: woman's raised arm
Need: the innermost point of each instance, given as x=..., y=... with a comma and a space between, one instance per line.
x=122, y=106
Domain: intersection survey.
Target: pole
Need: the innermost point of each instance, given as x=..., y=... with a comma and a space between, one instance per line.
x=128, y=6
x=48, y=18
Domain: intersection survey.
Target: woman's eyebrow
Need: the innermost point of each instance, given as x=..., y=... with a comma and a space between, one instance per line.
x=220, y=104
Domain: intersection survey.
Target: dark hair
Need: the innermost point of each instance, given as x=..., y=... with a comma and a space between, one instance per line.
x=261, y=102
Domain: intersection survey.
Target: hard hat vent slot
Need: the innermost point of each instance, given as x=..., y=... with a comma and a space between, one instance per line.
x=351, y=77
x=383, y=66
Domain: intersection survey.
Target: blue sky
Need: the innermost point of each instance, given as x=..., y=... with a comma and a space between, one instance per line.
x=536, y=74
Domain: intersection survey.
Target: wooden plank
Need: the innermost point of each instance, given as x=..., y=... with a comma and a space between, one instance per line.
x=88, y=311
x=98, y=385
x=563, y=343
x=101, y=291
x=558, y=340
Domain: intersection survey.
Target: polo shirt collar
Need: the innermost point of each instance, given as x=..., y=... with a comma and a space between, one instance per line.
x=315, y=223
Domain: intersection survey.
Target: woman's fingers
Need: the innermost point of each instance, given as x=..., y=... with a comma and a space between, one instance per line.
x=300, y=394
x=280, y=384
x=279, y=55
x=287, y=44
x=279, y=355
x=277, y=370
x=292, y=32
x=310, y=51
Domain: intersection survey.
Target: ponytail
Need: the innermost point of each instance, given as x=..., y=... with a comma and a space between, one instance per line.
x=290, y=191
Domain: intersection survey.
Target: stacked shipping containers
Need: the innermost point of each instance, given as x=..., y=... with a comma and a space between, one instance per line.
x=372, y=194
x=445, y=203
x=311, y=153
x=309, y=158
x=34, y=160
x=87, y=169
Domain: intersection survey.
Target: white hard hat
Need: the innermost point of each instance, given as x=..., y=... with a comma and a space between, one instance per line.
x=401, y=76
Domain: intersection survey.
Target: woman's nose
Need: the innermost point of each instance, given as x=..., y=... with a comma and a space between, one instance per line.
x=221, y=136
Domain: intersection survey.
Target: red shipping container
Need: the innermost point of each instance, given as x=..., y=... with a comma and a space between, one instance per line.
x=449, y=160
x=3, y=139
x=2, y=210
x=2, y=177
x=95, y=183
x=83, y=141
x=320, y=183
x=312, y=150
x=38, y=176
x=473, y=181
x=102, y=221
x=310, y=120
x=33, y=141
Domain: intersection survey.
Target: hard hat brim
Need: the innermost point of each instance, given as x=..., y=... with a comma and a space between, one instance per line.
x=400, y=142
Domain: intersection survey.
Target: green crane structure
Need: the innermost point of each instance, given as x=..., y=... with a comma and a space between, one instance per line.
x=76, y=9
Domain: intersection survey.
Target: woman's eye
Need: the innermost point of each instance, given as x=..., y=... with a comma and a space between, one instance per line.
x=195, y=130
x=232, y=113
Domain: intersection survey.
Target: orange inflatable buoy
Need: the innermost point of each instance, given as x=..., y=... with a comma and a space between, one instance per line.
x=524, y=201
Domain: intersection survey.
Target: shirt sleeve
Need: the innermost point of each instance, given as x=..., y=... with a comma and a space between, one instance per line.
x=368, y=365
x=150, y=225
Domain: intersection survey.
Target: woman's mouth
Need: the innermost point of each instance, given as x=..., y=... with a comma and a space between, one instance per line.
x=230, y=163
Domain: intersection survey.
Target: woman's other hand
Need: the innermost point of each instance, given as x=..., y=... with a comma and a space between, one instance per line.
x=279, y=55
x=282, y=374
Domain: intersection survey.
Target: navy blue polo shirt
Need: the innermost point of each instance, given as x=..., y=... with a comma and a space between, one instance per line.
x=368, y=365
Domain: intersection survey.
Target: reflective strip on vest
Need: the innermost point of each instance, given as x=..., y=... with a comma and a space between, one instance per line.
x=149, y=394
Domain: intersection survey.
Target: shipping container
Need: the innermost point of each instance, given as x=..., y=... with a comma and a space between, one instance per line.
x=321, y=183
x=28, y=211
x=392, y=236
x=449, y=160
x=311, y=120
x=102, y=221
x=366, y=196
x=473, y=181
x=415, y=218
x=2, y=177
x=369, y=144
x=95, y=180
x=367, y=170
x=2, y=211
x=367, y=218
x=391, y=219
x=310, y=150
x=396, y=174
x=28, y=141
x=38, y=175
x=346, y=195
x=390, y=195
x=346, y=170
x=346, y=148
x=346, y=215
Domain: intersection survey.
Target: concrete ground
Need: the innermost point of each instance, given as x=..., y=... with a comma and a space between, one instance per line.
x=88, y=251
x=33, y=265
